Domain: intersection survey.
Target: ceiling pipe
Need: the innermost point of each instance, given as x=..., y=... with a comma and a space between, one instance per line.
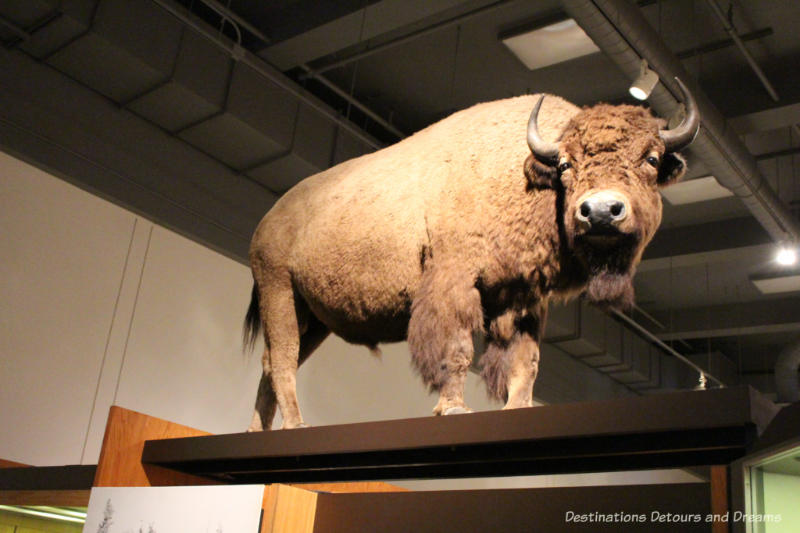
x=658, y=342
x=621, y=31
x=745, y=52
x=787, y=381
x=259, y=65
x=358, y=105
x=313, y=73
x=227, y=15
x=235, y=20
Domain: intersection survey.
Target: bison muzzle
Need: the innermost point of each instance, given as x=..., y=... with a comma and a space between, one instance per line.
x=458, y=229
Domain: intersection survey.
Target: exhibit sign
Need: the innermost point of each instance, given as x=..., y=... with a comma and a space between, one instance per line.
x=216, y=509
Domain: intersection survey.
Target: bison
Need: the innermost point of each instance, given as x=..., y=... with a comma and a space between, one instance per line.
x=457, y=229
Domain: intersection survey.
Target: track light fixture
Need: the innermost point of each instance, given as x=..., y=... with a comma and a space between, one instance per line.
x=644, y=84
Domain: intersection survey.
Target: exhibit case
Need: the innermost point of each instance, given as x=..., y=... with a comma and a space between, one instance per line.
x=766, y=483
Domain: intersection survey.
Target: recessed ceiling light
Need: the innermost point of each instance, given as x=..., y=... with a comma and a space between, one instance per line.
x=550, y=44
x=696, y=190
x=777, y=284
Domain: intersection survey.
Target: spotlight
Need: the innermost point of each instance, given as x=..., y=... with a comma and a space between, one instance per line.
x=645, y=83
x=786, y=256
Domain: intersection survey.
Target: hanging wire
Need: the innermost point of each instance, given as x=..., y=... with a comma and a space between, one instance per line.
x=792, y=186
x=658, y=17
x=671, y=309
x=699, y=74
x=455, y=64
x=739, y=340
x=356, y=63
x=708, y=322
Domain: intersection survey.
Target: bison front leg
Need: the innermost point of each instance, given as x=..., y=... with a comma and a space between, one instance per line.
x=511, y=362
x=445, y=312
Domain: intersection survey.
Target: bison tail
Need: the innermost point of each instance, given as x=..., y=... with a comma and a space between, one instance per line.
x=252, y=322
x=494, y=370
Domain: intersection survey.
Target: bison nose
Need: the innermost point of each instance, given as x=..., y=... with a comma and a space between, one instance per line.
x=601, y=212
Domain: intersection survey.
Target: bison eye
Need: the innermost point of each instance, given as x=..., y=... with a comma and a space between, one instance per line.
x=653, y=161
x=563, y=167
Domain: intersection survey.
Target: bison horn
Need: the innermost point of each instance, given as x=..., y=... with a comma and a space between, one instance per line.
x=685, y=132
x=545, y=151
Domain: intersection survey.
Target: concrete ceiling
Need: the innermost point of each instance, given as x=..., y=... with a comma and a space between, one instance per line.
x=163, y=108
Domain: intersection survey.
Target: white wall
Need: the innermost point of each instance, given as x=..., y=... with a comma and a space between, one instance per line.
x=99, y=306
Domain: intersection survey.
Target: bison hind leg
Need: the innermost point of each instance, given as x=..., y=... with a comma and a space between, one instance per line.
x=292, y=333
x=266, y=403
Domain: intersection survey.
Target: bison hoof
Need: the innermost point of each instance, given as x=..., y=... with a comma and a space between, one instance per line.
x=457, y=411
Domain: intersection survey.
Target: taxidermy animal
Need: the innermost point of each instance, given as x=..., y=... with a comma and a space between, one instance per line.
x=459, y=228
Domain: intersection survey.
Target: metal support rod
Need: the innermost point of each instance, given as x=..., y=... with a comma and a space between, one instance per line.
x=364, y=109
x=723, y=43
x=648, y=316
x=15, y=29
x=779, y=153
x=275, y=77
x=652, y=338
x=736, y=39
x=235, y=20
x=313, y=73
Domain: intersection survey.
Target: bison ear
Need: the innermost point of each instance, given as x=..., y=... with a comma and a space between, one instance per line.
x=540, y=175
x=672, y=168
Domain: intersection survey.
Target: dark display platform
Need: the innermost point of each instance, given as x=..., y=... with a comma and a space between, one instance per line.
x=72, y=477
x=660, y=431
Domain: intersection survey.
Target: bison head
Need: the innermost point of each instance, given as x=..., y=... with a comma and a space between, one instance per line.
x=608, y=167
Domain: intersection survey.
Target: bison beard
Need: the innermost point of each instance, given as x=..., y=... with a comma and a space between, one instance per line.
x=610, y=271
x=610, y=290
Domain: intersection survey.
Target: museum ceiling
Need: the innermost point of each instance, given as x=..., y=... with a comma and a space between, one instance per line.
x=199, y=114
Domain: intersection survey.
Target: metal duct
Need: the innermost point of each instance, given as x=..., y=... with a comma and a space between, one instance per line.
x=622, y=32
x=629, y=355
x=787, y=382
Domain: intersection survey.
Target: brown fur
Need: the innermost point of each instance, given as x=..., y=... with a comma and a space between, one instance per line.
x=454, y=230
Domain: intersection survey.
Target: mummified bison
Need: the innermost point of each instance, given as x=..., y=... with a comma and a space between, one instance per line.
x=461, y=228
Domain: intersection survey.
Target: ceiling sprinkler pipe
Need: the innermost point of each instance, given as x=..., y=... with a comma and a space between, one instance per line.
x=742, y=48
x=267, y=71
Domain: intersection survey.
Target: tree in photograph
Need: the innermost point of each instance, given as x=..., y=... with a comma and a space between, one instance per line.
x=107, y=521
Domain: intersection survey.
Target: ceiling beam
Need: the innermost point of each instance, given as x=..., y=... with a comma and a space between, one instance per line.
x=729, y=320
x=718, y=241
x=769, y=119
x=368, y=23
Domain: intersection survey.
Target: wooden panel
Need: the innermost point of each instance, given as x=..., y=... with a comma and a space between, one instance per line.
x=11, y=464
x=719, y=498
x=349, y=487
x=120, y=462
x=53, y=498
x=288, y=510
